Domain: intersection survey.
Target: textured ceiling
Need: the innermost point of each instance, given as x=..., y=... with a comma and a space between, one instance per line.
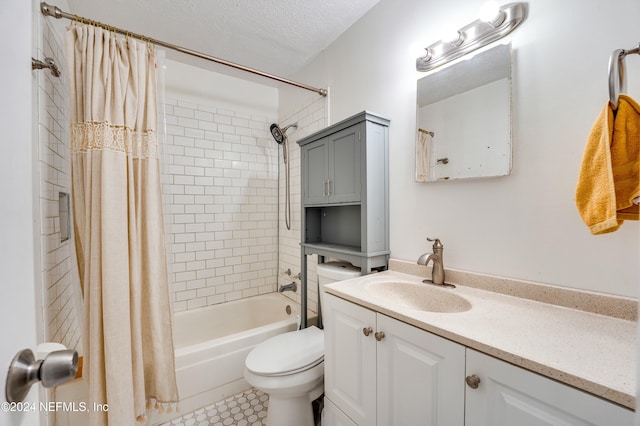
x=275, y=36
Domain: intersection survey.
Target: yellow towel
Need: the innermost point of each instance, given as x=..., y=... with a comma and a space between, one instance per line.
x=625, y=157
x=609, y=176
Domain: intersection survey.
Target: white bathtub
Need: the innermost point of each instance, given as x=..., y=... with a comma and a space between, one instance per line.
x=211, y=344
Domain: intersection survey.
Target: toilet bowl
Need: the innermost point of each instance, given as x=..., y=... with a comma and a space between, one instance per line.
x=290, y=367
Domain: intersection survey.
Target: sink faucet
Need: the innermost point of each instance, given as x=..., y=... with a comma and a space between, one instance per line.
x=289, y=287
x=437, y=273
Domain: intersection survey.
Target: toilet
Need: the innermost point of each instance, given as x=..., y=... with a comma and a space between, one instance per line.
x=290, y=366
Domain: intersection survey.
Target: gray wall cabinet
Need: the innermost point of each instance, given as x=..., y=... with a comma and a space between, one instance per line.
x=345, y=194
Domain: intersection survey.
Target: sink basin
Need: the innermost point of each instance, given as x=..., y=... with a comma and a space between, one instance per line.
x=422, y=297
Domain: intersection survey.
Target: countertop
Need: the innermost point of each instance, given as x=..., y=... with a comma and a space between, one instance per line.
x=591, y=352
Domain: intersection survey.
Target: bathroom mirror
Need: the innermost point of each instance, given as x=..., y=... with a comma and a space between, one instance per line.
x=464, y=119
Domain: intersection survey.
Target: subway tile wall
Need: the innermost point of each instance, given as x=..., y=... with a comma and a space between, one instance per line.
x=221, y=201
x=58, y=272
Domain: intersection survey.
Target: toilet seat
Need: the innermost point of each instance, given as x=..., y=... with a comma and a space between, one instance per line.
x=287, y=353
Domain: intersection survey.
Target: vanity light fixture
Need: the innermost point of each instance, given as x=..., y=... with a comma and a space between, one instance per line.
x=495, y=22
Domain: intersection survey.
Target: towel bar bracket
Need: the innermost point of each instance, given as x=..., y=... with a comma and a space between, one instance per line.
x=617, y=83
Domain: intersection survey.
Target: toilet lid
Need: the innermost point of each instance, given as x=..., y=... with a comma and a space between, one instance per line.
x=287, y=352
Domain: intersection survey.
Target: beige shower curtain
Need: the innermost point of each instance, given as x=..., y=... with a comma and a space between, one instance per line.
x=128, y=346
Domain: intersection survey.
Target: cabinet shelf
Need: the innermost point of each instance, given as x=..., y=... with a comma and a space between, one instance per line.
x=335, y=248
x=353, y=254
x=316, y=248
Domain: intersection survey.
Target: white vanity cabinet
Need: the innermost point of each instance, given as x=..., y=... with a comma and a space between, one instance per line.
x=508, y=395
x=380, y=371
x=408, y=376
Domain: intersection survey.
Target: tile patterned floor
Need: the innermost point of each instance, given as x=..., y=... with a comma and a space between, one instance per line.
x=248, y=408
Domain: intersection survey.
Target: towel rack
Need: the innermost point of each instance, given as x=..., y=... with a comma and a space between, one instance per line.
x=427, y=132
x=617, y=83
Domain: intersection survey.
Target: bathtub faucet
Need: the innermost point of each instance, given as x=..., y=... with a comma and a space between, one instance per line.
x=289, y=287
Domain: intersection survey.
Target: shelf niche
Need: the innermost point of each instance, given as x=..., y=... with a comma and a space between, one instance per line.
x=334, y=226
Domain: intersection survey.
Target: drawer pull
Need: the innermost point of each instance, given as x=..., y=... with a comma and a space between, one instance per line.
x=367, y=331
x=473, y=381
x=379, y=335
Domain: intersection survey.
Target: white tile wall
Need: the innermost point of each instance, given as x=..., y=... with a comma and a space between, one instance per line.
x=59, y=276
x=221, y=196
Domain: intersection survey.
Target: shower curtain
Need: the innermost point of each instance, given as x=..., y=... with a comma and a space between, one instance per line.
x=118, y=223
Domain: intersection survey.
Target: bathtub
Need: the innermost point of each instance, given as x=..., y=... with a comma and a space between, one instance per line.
x=211, y=344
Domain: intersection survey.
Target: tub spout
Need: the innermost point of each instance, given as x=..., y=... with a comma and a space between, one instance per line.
x=288, y=287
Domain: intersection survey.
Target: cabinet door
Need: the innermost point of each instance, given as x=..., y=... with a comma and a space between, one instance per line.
x=316, y=172
x=350, y=359
x=420, y=377
x=509, y=395
x=344, y=165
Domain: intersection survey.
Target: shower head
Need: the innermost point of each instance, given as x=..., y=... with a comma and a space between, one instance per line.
x=277, y=133
x=280, y=134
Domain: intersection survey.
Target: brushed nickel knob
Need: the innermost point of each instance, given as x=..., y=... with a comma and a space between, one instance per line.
x=367, y=331
x=379, y=335
x=473, y=381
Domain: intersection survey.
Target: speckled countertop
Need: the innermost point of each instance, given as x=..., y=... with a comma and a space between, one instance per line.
x=589, y=351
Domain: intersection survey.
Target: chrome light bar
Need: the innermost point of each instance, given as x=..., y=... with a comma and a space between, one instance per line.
x=473, y=36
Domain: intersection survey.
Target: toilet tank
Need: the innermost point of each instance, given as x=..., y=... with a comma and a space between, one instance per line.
x=331, y=272
x=336, y=271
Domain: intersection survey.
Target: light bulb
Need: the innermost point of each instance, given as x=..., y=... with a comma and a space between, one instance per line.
x=454, y=37
x=490, y=13
x=418, y=49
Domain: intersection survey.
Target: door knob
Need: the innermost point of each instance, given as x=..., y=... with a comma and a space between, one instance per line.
x=367, y=331
x=379, y=335
x=473, y=381
x=57, y=368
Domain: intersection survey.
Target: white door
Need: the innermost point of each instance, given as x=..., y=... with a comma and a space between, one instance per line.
x=508, y=395
x=17, y=293
x=350, y=359
x=420, y=377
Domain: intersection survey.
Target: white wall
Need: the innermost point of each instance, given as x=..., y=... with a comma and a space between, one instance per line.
x=525, y=225
x=198, y=85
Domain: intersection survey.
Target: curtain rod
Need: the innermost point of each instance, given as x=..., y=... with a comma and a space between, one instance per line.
x=54, y=11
